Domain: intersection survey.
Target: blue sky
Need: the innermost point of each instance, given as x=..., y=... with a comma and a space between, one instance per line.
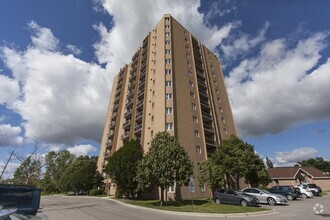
x=58, y=60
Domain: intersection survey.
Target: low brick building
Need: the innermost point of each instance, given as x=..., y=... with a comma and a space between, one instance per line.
x=297, y=175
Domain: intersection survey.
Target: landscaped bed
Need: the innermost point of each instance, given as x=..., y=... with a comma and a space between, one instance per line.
x=201, y=206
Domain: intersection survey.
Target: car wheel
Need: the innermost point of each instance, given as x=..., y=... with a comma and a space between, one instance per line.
x=271, y=201
x=304, y=196
x=217, y=201
x=289, y=197
x=243, y=202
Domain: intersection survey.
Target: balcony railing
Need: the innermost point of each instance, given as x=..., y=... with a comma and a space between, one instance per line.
x=125, y=135
x=128, y=113
x=127, y=124
x=139, y=115
x=138, y=128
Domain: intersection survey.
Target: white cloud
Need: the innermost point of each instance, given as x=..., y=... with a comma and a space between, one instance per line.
x=275, y=91
x=63, y=99
x=73, y=49
x=81, y=150
x=9, y=90
x=10, y=169
x=132, y=24
x=290, y=158
x=10, y=136
x=241, y=44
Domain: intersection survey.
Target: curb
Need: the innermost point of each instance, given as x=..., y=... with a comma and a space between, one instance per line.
x=197, y=214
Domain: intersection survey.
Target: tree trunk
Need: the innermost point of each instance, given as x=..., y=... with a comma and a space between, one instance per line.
x=237, y=182
x=161, y=196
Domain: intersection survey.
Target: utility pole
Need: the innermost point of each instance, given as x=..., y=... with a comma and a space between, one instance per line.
x=6, y=165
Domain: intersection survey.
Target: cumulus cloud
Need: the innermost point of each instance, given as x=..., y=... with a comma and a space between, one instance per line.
x=290, y=158
x=73, y=49
x=10, y=169
x=131, y=25
x=240, y=44
x=10, y=136
x=63, y=99
x=81, y=150
x=281, y=87
x=9, y=90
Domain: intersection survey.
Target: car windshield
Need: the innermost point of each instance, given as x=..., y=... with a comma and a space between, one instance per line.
x=312, y=185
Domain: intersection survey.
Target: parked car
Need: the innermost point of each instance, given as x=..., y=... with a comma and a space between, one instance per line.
x=288, y=191
x=316, y=190
x=266, y=197
x=26, y=199
x=305, y=192
x=230, y=196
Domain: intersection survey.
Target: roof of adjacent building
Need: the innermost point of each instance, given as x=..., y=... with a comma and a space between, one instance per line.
x=291, y=172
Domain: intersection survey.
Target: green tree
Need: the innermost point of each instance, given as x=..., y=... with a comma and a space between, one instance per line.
x=29, y=172
x=56, y=164
x=257, y=173
x=79, y=175
x=317, y=162
x=122, y=167
x=237, y=159
x=211, y=174
x=164, y=164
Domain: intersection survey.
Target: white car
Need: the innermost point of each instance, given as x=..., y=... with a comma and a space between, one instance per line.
x=266, y=197
x=305, y=191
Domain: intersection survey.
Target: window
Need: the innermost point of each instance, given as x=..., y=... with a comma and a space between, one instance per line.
x=167, y=51
x=192, y=94
x=193, y=106
x=167, y=19
x=168, y=83
x=167, y=26
x=195, y=119
x=196, y=133
x=198, y=149
x=169, y=126
x=225, y=130
x=167, y=42
x=223, y=120
x=167, y=60
x=189, y=73
x=168, y=96
x=168, y=111
x=203, y=188
x=168, y=71
x=191, y=84
x=167, y=33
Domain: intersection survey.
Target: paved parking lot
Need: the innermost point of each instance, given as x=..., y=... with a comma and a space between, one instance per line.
x=64, y=207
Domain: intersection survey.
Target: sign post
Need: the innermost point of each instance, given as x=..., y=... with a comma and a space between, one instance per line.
x=192, y=190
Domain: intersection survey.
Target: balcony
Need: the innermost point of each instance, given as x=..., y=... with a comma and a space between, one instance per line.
x=203, y=94
x=140, y=104
x=127, y=124
x=106, y=154
x=138, y=116
x=205, y=103
x=141, y=94
x=109, y=144
x=130, y=94
x=138, y=128
x=113, y=116
x=129, y=103
x=142, y=75
x=112, y=125
x=128, y=113
x=200, y=75
x=111, y=134
x=131, y=86
x=142, y=83
x=125, y=136
x=115, y=108
x=131, y=78
x=206, y=116
x=208, y=129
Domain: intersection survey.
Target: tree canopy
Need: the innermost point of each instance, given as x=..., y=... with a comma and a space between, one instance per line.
x=317, y=162
x=122, y=167
x=29, y=172
x=164, y=164
x=211, y=174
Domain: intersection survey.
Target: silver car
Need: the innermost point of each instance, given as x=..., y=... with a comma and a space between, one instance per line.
x=266, y=197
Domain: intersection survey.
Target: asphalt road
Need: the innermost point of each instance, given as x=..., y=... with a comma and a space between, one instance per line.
x=65, y=207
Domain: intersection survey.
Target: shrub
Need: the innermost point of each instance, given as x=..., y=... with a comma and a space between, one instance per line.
x=95, y=192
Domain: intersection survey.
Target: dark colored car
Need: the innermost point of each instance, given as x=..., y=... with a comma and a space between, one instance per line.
x=290, y=192
x=230, y=196
x=26, y=199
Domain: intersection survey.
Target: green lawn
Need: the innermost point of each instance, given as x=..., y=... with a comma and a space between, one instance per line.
x=203, y=206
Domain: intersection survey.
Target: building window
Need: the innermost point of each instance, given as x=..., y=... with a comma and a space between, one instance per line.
x=225, y=130
x=167, y=19
x=192, y=94
x=168, y=111
x=167, y=33
x=169, y=126
x=189, y=73
x=203, y=188
x=167, y=26
x=223, y=120
x=167, y=60
x=167, y=51
x=198, y=149
x=168, y=83
x=195, y=119
x=193, y=106
x=167, y=42
x=168, y=71
x=191, y=84
x=168, y=96
x=196, y=133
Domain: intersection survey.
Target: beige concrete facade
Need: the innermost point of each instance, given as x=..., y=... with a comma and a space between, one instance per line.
x=174, y=84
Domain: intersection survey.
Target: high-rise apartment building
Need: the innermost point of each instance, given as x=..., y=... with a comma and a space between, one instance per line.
x=174, y=84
